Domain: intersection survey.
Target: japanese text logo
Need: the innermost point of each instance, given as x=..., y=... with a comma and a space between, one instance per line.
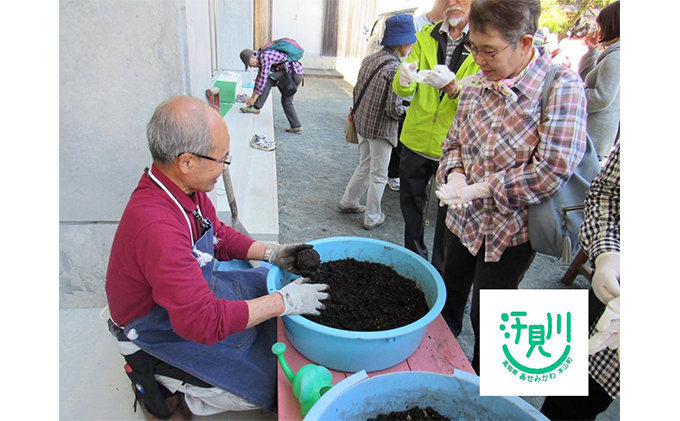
x=534, y=342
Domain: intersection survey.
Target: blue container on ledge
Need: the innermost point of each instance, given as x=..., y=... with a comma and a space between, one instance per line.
x=352, y=351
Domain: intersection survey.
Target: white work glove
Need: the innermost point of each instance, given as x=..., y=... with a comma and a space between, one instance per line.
x=285, y=256
x=406, y=73
x=465, y=195
x=606, y=277
x=440, y=76
x=303, y=298
x=454, y=182
x=607, y=328
x=473, y=191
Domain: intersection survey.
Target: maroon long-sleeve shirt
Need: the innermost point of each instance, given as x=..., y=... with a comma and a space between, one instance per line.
x=151, y=263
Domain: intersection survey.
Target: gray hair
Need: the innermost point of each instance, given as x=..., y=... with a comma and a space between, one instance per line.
x=511, y=18
x=179, y=125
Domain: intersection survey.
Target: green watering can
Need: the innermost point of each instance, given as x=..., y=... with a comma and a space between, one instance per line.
x=310, y=382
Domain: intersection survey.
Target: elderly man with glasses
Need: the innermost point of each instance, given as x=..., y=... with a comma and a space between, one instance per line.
x=184, y=328
x=498, y=158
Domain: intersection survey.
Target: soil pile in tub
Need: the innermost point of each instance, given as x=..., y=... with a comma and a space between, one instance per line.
x=412, y=414
x=367, y=296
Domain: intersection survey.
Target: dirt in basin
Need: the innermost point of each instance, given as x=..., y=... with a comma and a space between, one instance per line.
x=412, y=414
x=367, y=296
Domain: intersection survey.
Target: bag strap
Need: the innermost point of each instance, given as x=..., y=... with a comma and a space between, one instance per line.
x=363, y=91
x=545, y=93
x=545, y=96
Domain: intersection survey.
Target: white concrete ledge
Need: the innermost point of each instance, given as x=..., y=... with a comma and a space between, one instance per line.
x=253, y=173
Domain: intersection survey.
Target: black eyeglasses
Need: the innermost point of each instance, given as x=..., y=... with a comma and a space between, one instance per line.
x=225, y=161
x=484, y=54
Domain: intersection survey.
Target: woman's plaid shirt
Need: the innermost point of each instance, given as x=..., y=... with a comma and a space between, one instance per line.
x=524, y=161
x=273, y=61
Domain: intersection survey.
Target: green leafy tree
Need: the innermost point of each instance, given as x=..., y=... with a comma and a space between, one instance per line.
x=560, y=15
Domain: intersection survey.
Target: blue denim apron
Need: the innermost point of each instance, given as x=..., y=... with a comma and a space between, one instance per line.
x=242, y=363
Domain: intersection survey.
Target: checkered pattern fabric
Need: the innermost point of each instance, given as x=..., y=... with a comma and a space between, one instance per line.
x=274, y=61
x=604, y=368
x=380, y=110
x=601, y=229
x=601, y=233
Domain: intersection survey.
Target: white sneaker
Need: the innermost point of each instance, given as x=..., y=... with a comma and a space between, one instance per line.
x=262, y=143
x=393, y=183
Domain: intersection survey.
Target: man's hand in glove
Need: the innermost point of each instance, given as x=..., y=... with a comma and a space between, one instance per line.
x=440, y=77
x=406, y=73
x=303, y=298
x=454, y=182
x=607, y=275
x=285, y=256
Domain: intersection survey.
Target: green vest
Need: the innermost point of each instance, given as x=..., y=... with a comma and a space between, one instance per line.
x=428, y=118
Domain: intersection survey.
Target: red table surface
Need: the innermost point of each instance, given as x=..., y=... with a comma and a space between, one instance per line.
x=438, y=352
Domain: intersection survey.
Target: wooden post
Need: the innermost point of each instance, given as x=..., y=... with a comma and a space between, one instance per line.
x=262, y=22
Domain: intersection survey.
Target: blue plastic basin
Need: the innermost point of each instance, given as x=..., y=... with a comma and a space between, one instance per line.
x=456, y=397
x=352, y=351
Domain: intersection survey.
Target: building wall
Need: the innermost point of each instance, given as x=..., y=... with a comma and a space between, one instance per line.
x=118, y=59
x=235, y=31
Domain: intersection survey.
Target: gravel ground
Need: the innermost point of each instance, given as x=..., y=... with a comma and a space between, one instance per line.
x=313, y=169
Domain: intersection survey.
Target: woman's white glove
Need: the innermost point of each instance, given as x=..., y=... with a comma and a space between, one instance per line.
x=607, y=328
x=467, y=194
x=607, y=275
x=301, y=297
x=406, y=73
x=440, y=76
x=454, y=182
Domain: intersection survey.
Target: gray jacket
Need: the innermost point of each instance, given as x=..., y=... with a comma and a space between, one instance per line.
x=601, y=73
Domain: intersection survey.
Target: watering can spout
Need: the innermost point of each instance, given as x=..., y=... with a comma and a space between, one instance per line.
x=278, y=349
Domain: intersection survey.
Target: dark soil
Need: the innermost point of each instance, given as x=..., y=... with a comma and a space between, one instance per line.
x=308, y=259
x=367, y=297
x=412, y=414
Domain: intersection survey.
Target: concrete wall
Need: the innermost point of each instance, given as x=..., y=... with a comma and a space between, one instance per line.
x=118, y=59
x=235, y=31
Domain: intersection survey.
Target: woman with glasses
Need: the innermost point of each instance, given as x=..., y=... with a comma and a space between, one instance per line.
x=498, y=158
x=600, y=69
